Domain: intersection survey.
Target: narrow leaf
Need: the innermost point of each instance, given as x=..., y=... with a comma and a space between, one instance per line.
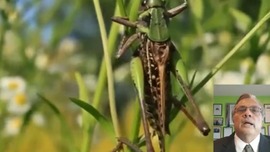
x=192, y=79
x=87, y=121
x=65, y=130
x=52, y=106
x=82, y=88
x=28, y=115
x=95, y=113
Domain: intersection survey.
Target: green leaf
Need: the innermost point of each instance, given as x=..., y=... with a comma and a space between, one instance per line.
x=106, y=124
x=65, y=130
x=87, y=120
x=243, y=20
x=197, y=8
x=49, y=103
x=82, y=88
x=265, y=7
x=28, y=115
x=133, y=13
x=192, y=79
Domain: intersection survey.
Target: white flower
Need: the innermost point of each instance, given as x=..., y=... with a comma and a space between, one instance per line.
x=38, y=119
x=19, y=104
x=10, y=86
x=121, y=72
x=79, y=120
x=30, y=52
x=12, y=126
x=91, y=82
x=42, y=61
x=209, y=38
x=68, y=45
x=11, y=46
x=262, y=66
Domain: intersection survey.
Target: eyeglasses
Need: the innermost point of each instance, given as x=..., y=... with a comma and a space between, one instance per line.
x=253, y=109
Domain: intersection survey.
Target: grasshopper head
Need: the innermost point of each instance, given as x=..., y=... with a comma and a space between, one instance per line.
x=153, y=3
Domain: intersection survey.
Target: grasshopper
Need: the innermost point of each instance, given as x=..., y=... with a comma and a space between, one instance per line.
x=154, y=62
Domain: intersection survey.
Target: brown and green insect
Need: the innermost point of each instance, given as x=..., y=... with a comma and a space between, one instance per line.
x=154, y=62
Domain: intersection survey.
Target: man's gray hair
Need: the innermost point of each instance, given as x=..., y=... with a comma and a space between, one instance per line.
x=251, y=96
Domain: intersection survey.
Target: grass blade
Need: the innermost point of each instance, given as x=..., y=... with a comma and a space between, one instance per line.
x=66, y=133
x=104, y=122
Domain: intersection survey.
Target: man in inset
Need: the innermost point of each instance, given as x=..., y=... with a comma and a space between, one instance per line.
x=248, y=117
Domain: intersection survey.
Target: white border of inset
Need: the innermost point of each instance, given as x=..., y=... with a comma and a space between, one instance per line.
x=236, y=90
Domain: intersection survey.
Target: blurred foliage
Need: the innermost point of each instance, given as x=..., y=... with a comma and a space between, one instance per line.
x=46, y=41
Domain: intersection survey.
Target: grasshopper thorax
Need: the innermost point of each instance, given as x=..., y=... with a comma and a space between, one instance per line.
x=153, y=3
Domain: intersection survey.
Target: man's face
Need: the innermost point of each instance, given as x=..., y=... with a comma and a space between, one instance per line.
x=247, y=118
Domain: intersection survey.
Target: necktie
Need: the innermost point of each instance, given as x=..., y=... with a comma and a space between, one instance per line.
x=248, y=148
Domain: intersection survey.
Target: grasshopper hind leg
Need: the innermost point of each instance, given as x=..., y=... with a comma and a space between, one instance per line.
x=196, y=116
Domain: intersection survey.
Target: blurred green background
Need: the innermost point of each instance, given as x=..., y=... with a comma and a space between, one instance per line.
x=44, y=42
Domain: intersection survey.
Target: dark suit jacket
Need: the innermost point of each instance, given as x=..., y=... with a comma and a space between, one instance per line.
x=226, y=144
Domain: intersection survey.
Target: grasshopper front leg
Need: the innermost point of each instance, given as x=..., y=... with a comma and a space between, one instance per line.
x=126, y=43
x=124, y=21
x=174, y=11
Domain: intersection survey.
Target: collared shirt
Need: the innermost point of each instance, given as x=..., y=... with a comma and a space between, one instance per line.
x=240, y=144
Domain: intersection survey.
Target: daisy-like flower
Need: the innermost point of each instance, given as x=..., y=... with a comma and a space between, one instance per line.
x=68, y=46
x=262, y=67
x=38, y=119
x=10, y=86
x=42, y=61
x=79, y=120
x=19, y=104
x=12, y=126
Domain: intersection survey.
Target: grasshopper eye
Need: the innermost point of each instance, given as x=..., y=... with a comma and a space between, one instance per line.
x=144, y=2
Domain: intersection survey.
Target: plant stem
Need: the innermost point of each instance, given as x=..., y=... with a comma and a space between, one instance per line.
x=102, y=73
x=109, y=68
x=86, y=119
